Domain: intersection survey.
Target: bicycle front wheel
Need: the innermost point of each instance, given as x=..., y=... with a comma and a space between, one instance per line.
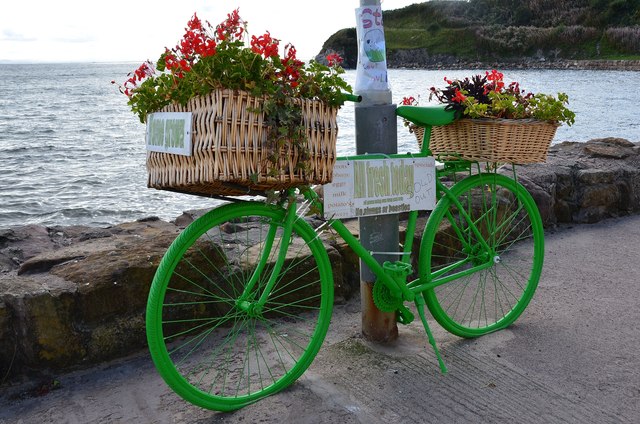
x=209, y=346
x=494, y=282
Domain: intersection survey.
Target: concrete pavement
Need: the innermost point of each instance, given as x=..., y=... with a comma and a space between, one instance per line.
x=573, y=357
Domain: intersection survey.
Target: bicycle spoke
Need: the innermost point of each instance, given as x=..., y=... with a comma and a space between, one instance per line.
x=498, y=282
x=213, y=335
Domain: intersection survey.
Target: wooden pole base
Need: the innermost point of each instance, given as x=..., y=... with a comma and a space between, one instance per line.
x=377, y=326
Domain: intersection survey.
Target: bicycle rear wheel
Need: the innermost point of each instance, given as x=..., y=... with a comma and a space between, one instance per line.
x=479, y=301
x=210, y=349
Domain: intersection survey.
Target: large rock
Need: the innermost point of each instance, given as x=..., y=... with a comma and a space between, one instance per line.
x=82, y=299
x=16, y=244
x=586, y=182
x=77, y=295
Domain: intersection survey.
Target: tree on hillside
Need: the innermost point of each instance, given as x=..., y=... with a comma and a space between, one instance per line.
x=615, y=12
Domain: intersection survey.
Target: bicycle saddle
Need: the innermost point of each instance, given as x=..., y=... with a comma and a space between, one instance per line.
x=425, y=116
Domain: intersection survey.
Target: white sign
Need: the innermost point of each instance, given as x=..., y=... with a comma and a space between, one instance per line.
x=169, y=132
x=380, y=186
x=371, y=71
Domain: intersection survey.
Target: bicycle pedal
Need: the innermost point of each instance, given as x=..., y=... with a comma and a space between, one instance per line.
x=404, y=315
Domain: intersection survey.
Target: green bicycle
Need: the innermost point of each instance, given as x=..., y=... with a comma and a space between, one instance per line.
x=242, y=300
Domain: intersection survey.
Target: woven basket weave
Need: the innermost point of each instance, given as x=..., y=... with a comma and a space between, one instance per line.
x=491, y=140
x=228, y=157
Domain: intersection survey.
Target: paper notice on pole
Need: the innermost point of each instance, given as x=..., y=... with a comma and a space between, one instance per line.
x=371, y=73
x=365, y=187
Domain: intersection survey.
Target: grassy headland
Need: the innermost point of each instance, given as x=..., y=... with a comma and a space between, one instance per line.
x=505, y=31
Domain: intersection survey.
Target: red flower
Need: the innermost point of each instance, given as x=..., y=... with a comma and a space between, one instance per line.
x=184, y=65
x=208, y=48
x=143, y=71
x=334, y=59
x=459, y=97
x=195, y=24
x=409, y=101
x=494, y=75
x=496, y=81
x=169, y=59
x=231, y=28
x=221, y=56
x=292, y=66
x=290, y=52
x=265, y=45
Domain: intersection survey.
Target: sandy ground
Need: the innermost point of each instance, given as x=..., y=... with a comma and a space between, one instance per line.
x=571, y=358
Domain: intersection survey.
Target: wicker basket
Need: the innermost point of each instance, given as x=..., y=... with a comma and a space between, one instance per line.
x=491, y=140
x=228, y=157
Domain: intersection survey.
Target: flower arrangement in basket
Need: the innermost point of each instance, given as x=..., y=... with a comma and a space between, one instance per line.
x=261, y=120
x=494, y=122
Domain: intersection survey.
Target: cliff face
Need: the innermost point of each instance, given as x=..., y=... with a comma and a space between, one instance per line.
x=436, y=33
x=76, y=296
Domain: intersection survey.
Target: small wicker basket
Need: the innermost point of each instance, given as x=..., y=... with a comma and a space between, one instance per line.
x=229, y=157
x=491, y=140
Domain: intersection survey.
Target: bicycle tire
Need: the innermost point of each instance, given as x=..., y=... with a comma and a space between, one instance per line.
x=206, y=348
x=493, y=298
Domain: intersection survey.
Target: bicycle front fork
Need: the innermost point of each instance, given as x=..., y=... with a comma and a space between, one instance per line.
x=247, y=301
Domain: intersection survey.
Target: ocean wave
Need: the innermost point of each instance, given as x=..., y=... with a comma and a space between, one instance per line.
x=62, y=163
x=70, y=216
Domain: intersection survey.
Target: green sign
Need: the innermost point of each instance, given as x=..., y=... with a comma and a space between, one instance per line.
x=169, y=132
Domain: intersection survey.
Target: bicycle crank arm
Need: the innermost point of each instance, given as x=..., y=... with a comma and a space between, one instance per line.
x=404, y=315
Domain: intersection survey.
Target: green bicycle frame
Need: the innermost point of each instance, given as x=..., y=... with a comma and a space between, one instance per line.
x=417, y=286
x=408, y=291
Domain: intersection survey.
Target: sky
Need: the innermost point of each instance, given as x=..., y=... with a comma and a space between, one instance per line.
x=134, y=31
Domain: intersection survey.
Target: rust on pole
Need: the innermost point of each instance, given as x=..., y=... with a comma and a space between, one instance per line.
x=376, y=132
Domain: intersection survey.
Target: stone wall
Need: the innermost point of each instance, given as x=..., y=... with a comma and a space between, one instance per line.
x=586, y=182
x=75, y=296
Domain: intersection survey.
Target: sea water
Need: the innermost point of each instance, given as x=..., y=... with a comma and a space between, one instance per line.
x=71, y=151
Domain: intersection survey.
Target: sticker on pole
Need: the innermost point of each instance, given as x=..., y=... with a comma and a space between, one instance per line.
x=169, y=132
x=371, y=71
x=365, y=187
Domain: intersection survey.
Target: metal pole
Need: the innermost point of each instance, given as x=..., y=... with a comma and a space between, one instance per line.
x=376, y=132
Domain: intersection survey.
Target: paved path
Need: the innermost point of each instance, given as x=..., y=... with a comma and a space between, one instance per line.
x=573, y=357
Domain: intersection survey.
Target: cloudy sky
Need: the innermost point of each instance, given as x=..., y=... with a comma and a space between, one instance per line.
x=134, y=30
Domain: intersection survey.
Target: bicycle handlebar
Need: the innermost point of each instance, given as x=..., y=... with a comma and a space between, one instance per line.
x=348, y=97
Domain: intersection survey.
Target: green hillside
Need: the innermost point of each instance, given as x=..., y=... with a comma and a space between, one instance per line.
x=486, y=30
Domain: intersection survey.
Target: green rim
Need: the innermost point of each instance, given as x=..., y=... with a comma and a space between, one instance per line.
x=206, y=347
x=483, y=300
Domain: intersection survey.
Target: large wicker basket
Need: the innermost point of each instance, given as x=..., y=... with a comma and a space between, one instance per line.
x=229, y=157
x=491, y=140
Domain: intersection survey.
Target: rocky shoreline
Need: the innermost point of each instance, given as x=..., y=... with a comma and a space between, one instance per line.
x=585, y=65
x=75, y=296
x=422, y=59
